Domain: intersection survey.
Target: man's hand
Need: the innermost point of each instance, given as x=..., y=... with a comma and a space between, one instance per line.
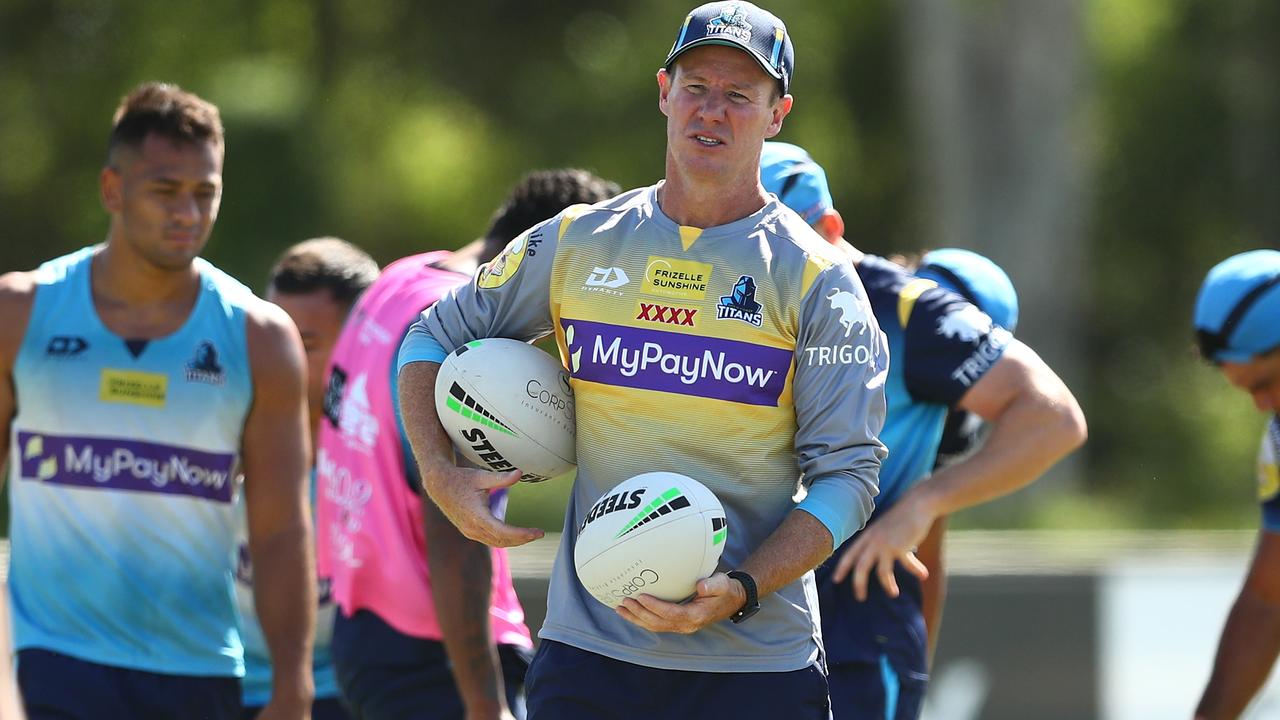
x=892, y=537
x=717, y=598
x=462, y=494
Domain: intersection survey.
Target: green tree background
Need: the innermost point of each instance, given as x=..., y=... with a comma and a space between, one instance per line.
x=400, y=125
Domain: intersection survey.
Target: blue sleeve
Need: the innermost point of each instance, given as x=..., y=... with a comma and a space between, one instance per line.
x=830, y=503
x=949, y=345
x=419, y=346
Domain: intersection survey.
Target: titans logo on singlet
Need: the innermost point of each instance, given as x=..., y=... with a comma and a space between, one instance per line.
x=122, y=479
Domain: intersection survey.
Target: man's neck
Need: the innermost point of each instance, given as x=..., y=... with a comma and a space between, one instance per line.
x=703, y=205
x=124, y=277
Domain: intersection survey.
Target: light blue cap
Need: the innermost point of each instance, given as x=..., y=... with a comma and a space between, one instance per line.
x=1237, y=314
x=975, y=278
x=787, y=171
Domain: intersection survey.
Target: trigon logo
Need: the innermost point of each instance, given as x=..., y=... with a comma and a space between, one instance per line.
x=966, y=325
x=854, y=311
x=611, y=278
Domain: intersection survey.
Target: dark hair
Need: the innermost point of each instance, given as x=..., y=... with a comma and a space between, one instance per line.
x=539, y=196
x=324, y=263
x=165, y=110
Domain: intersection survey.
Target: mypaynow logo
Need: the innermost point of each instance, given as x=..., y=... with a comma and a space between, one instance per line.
x=677, y=363
x=119, y=464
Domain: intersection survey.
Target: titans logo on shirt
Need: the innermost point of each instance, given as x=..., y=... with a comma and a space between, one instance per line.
x=204, y=366
x=741, y=303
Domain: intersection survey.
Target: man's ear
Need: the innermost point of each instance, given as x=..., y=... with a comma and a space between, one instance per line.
x=664, y=89
x=110, y=189
x=780, y=110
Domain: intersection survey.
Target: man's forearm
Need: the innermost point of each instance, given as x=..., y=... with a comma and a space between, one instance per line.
x=799, y=545
x=1246, y=653
x=1025, y=441
x=427, y=439
x=284, y=593
x=461, y=577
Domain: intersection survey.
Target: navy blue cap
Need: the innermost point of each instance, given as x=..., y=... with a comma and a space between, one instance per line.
x=787, y=171
x=975, y=278
x=1237, y=313
x=744, y=26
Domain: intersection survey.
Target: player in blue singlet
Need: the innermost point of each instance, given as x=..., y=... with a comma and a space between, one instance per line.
x=947, y=355
x=1237, y=323
x=316, y=282
x=136, y=379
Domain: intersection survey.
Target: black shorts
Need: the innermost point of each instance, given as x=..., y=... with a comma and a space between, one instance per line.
x=387, y=675
x=55, y=686
x=568, y=683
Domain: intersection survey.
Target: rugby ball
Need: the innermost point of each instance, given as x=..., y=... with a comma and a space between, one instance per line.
x=507, y=405
x=658, y=533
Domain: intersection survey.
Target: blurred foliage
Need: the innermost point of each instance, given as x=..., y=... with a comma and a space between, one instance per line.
x=400, y=125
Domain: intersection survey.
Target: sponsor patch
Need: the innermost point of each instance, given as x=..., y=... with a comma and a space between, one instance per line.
x=652, y=359
x=496, y=274
x=674, y=278
x=666, y=314
x=120, y=464
x=133, y=387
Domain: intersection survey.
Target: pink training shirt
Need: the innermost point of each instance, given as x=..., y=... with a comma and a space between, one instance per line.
x=369, y=528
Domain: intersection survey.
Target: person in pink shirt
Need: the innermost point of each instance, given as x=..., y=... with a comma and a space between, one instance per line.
x=428, y=623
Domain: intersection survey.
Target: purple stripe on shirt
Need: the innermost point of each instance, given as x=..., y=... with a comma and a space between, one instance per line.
x=707, y=367
x=119, y=464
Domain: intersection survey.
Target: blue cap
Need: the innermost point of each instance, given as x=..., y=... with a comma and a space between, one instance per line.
x=744, y=26
x=1238, y=309
x=787, y=171
x=975, y=278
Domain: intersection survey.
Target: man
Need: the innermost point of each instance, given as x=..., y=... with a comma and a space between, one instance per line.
x=740, y=394
x=947, y=356
x=1237, y=322
x=316, y=282
x=137, y=378
x=430, y=626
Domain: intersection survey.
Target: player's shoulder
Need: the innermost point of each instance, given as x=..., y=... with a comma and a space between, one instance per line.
x=17, y=293
x=583, y=219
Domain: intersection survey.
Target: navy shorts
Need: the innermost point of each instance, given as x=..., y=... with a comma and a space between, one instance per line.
x=55, y=686
x=567, y=683
x=387, y=675
x=867, y=691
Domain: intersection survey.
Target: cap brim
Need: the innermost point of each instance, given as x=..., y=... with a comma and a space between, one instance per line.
x=760, y=60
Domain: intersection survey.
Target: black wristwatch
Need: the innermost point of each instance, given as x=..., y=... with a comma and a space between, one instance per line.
x=752, y=605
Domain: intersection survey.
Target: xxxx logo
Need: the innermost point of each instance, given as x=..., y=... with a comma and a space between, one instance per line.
x=653, y=312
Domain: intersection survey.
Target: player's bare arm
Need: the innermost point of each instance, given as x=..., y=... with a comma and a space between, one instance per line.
x=462, y=494
x=17, y=294
x=276, y=453
x=799, y=545
x=1035, y=421
x=461, y=582
x=1250, y=640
